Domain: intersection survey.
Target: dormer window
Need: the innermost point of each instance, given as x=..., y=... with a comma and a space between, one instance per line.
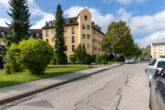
x=2, y=33
x=85, y=17
x=37, y=34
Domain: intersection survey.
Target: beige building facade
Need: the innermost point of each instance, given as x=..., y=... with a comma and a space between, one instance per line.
x=157, y=50
x=78, y=30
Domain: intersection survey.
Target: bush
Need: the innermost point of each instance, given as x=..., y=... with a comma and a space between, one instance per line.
x=13, y=57
x=98, y=59
x=2, y=54
x=88, y=59
x=80, y=54
x=8, y=68
x=1, y=62
x=53, y=61
x=35, y=55
x=72, y=59
x=101, y=59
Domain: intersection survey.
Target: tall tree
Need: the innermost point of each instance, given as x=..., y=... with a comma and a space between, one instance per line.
x=60, y=46
x=19, y=27
x=118, y=39
x=137, y=51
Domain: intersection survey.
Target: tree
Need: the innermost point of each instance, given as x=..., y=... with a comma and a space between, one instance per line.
x=137, y=51
x=60, y=47
x=19, y=27
x=35, y=55
x=2, y=54
x=72, y=59
x=13, y=57
x=146, y=51
x=118, y=39
x=80, y=54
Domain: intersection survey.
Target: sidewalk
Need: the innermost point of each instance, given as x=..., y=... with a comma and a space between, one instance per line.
x=9, y=94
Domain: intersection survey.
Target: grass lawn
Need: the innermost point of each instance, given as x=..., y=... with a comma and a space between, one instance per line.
x=112, y=62
x=25, y=76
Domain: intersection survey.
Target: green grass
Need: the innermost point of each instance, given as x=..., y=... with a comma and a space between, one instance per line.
x=112, y=62
x=25, y=76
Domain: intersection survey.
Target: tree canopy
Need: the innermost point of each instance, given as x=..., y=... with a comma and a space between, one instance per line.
x=19, y=27
x=118, y=39
x=60, y=46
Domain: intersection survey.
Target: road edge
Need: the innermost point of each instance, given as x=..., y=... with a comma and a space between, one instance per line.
x=50, y=86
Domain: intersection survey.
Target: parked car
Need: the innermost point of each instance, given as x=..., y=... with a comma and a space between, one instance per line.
x=129, y=60
x=157, y=91
x=122, y=59
x=156, y=64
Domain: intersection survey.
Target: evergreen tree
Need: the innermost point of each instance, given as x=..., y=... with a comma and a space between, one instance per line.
x=19, y=27
x=60, y=47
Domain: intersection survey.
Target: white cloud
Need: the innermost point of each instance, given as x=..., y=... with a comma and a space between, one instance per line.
x=41, y=23
x=35, y=11
x=122, y=14
x=4, y=2
x=97, y=17
x=125, y=1
x=148, y=24
x=153, y=38
x=3, y=22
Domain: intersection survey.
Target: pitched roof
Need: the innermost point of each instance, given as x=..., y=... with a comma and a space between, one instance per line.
x=67, y=22
x=160, y=43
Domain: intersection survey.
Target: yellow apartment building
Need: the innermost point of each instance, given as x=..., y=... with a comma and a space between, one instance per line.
x=157, y=50
x=78, y=30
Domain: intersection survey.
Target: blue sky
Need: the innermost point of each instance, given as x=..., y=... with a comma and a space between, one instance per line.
x=146, y=18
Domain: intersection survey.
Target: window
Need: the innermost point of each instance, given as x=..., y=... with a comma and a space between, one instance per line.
x=99, y=42
x=88, y=45
x=72, y=30
x=73, y=39
x=83, y=26
x=94, y=40
x=88, y=36
x=66, y=38
x=2, y=33
x=47, y=40
x=53, y=39
x=85, y=17
x=73, y=48
x=161, y=64
x=94, y=32
x=83, y=36
x=47, y=34
x=37, y=34
x=88, y=27
x=53, y=31
x=65, y=29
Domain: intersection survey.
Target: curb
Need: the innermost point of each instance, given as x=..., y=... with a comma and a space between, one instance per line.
x=44, y=88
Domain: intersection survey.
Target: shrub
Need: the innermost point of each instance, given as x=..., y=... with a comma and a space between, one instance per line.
x=35, y=55
x=98, y=59
x=2, y=54
x=72, y=59
x=13, y=57
x=80, y=54
x=88, y=59
x=8, y=68
x=101, y=59
x=53, y=61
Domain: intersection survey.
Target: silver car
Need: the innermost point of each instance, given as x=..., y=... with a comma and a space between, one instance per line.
x=129, y=60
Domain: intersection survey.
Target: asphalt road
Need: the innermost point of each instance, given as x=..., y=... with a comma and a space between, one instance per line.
x=121, y=88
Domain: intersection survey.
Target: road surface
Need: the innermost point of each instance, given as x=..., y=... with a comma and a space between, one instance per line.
x=121, y=88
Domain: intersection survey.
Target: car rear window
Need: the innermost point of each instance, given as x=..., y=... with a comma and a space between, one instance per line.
x=161, y=64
